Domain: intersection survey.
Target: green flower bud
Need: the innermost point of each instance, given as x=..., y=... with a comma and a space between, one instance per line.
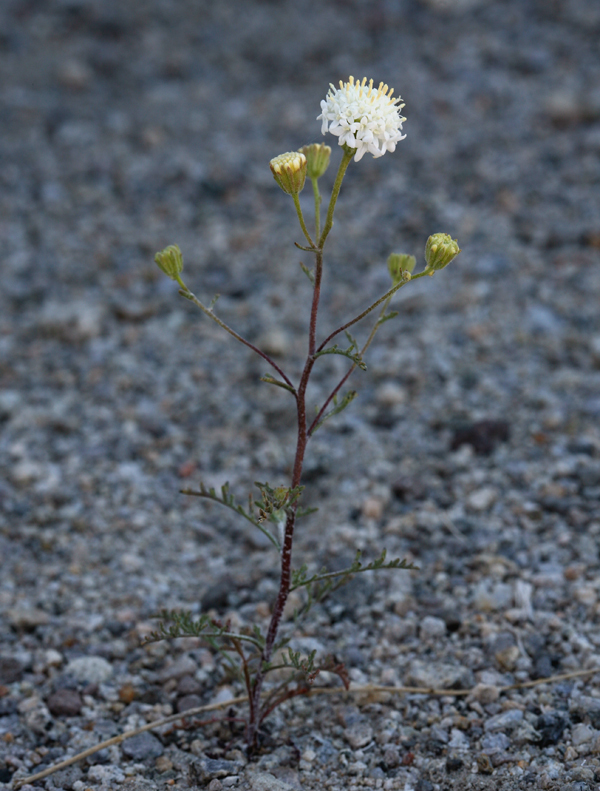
x=170, y=261
x=289, y=171
x=317, y=159
x=440, y=250
x=400, y=266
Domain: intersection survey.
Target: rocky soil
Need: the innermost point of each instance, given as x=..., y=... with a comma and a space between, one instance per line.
x=473, y=448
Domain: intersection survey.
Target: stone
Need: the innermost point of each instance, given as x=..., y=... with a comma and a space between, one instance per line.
x=506, y=720
x=64, y=703
x=183, y=666
x=458, y=740
x=505, y=650
x=36, y=716
x=163, y=764
x=275, y=342
x=188, y=685
x=264, y=781
x=218, y=767
x=74, y=74
x=495, y=743
x=550, y=726
x=189, y=702
x=391, y=756
x=142, y=747
x=482, y=435
x=66, y=778
x=587, y=709
x=372, y=508
x=27, y=618
x=482, y=499
x=106, y=774
x=73, y=320
x=491, y=597
x=432, y=628
x=581, y=734
x=485, y=693
x=90, y=669
x=11, y=670
x=391, y=394
x=454, y=763
x=359, y=735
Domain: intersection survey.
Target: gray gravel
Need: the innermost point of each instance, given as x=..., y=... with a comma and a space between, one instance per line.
x=473, y=448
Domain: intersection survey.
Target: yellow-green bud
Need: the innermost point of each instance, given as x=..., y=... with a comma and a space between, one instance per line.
x=317, y=159
x=170, y=261
x=400, y=266
x=440, y=250
x=289, y=171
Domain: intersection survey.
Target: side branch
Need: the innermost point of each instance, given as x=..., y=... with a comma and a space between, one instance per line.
x=368, y=310
x=185, y=292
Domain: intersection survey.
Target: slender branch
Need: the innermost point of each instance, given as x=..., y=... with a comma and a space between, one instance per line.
x=315, y=186
x=247, y=680
x=321, y=412
x=291, y=693
x=185, y=292
x=301, y=220
x=368, y=310
x=348, y=154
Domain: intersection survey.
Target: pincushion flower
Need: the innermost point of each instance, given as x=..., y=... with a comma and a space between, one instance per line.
x=363, y=117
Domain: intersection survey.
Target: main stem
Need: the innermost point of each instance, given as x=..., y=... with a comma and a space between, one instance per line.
x=256, y=715
x=254, y=692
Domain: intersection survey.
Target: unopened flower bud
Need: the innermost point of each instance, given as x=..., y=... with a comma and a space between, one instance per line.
x=170, y=260
x=289, y=171
x=440, y=250
x=400, y=266
x=317, y=159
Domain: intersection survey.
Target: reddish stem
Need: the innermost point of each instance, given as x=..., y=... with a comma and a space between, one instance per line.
x=333, y=393
x=286, y=550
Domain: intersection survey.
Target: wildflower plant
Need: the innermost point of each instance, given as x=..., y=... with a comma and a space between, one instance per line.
x=365, y=120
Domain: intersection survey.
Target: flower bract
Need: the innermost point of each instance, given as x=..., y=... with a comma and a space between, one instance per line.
x=362, y=117
x=289, y=171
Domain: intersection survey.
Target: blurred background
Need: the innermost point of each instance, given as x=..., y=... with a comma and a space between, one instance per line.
x=126, y=126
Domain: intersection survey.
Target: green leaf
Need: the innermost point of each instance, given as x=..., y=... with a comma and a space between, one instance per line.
x=338, y=407
x=228, y=501
x=308, y=272
x=356, y=357
x=181, y=623
x=387, y=317
x=277, y=382
x=301, y=579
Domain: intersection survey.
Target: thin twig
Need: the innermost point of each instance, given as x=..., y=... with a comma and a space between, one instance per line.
x=185, y=292
x=362, y=690
x=127, y=735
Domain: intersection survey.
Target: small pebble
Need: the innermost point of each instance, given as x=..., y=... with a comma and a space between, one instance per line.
x=507, y=719
x=142, y=747
x=432, y=628
x=64, y=703
x=93, y=669
x=359, y=735
x=163, y=764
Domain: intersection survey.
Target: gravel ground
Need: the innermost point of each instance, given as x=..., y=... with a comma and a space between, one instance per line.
x=473, y=448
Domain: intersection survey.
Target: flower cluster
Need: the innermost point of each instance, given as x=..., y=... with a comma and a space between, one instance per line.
x=363, y=118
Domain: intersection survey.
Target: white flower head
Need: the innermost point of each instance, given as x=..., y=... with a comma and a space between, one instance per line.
x=363, y=117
